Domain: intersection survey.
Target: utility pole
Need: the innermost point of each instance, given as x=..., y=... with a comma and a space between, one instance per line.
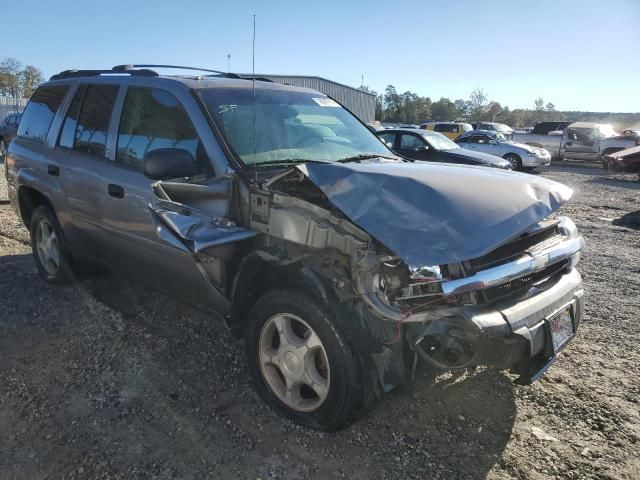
x=228, y=63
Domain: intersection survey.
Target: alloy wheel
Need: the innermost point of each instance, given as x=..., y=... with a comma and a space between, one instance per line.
x=294, y=363
x=47, y=247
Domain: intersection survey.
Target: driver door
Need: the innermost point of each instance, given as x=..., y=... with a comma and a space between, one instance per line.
x=412, y=146
x=580, y=144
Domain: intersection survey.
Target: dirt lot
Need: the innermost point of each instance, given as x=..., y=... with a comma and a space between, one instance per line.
x=110, y=380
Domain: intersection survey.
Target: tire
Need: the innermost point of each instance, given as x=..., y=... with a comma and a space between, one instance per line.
x=514, y=160
x=52, y=257
x=3, y=148
x=281, y=315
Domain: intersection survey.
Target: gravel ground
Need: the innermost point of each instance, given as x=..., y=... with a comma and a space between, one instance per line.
x=110, y=380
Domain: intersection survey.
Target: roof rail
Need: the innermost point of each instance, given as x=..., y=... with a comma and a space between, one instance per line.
x=97, y=73
x=129, y=68
x=259, y=79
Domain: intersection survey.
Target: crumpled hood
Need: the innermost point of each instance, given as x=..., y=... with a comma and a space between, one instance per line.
x=433, y=214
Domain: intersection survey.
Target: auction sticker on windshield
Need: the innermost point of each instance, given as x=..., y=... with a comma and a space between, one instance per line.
x=561, y=326
x=326, y=102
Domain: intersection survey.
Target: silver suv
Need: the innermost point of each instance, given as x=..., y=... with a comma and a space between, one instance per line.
x=338, y=262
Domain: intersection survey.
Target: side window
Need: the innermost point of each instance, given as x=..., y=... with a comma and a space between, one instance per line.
x=93, y=121
x=482, y=139
x=39, y=113
x=151, y=119
x=68, y=132
x=388, y=138
x=410, y=142
x=462, y=140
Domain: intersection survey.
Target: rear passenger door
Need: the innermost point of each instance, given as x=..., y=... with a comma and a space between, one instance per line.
x=151, y=118
x=80, y=155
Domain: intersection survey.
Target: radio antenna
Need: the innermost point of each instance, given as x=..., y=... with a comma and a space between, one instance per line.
x=253, y=87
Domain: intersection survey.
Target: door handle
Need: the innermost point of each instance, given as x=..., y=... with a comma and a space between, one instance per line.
x=115, y=190
x=53, y=170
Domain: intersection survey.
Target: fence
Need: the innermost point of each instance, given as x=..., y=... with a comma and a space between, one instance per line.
x=10, y=105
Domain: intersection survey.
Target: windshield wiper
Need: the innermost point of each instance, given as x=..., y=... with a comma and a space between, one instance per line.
x=366, y=156
x=286, y=161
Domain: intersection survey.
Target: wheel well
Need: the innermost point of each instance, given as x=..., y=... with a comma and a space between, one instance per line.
x=259, y=274
x=29, y=199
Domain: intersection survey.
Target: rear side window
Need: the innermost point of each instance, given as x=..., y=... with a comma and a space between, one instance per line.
x=151, y=119
x=446, y=127
x=68, y=132
x=39, y=113
x=93, y=121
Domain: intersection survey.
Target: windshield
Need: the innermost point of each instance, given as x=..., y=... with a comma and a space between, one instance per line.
x=289, y=126
x=440, y=142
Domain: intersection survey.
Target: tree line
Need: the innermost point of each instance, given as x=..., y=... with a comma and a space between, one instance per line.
x=18, y=81
x=408, y=107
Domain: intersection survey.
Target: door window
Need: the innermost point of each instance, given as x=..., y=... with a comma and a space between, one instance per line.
x=68, y=132
x=410, y=142
x=93, y=122
x=481, y=139
x=40, y=110
x=152, y=119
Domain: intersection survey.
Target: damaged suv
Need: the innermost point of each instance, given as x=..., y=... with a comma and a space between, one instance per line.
x=341, y=265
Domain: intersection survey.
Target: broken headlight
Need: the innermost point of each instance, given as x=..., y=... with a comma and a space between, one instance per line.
x=567, y=227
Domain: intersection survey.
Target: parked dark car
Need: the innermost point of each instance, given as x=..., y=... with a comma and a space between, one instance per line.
x=8, y=130
x=429, y=146
x=544, y=128
x=274, y=207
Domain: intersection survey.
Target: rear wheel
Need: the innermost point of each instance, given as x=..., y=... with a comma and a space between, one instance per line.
x=50, y=253
x=300, y=363
x=3, y=148
x=514, y=160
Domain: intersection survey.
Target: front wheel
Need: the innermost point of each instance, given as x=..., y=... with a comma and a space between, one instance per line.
x=300, y=363
x=514, y=160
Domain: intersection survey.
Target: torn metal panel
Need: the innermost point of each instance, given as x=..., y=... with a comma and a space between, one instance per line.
x=200, y=232
x=304, y=223
x=430, y=214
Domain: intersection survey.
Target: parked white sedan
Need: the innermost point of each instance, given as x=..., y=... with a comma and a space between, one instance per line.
x=520, y=155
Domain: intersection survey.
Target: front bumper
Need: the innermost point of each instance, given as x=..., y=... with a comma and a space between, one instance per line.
x=536, y=161
x=516, y=334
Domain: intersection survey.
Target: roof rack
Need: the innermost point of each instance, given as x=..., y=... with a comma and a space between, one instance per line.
x=128, y=68
x=97, y=73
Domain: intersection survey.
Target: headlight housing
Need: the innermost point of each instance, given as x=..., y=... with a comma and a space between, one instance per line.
x=568, y=228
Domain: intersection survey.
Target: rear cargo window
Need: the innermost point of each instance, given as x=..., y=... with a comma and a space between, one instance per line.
x=93, y=122
x=39, y=113
x=446, y=127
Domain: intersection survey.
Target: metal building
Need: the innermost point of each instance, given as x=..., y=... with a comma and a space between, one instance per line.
x=361, y=103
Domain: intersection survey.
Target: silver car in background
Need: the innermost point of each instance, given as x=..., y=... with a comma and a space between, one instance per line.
x=520, y=155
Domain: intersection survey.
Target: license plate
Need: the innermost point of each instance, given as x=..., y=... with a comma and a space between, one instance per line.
x=561, y=326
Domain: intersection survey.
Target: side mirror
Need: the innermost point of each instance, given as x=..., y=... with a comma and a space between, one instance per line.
x=422, y=148
x=166, y=163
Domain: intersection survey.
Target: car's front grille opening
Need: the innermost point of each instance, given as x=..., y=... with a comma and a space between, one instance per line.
x=522, y=284
x=514, y=249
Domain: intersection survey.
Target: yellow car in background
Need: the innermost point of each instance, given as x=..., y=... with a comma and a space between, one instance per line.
x=451, y=130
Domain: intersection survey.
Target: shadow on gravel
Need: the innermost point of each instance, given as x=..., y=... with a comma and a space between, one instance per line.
x=457, y=424
x=631, y=220
x=624, y=182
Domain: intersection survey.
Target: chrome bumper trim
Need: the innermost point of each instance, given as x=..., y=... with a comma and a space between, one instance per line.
x=529, y=263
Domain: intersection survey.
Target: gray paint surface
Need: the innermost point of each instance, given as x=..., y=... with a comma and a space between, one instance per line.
x=430, y=214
